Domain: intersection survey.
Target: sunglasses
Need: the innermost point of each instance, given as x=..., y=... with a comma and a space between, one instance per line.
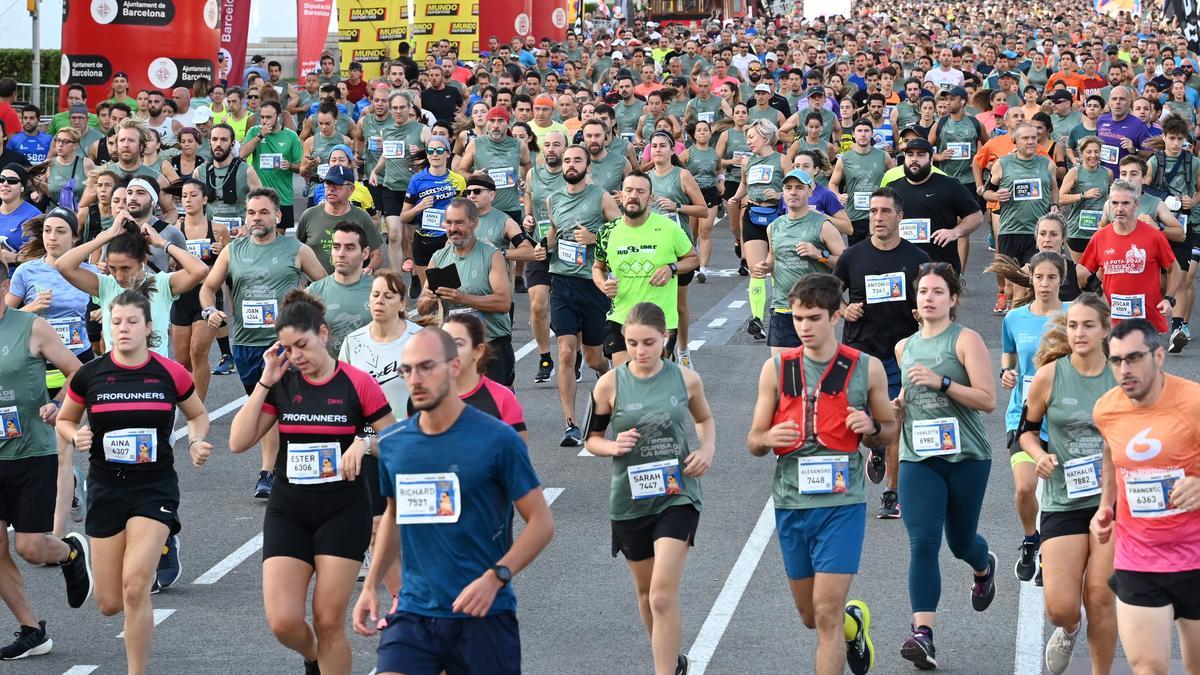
x=252, y=98
x=439, y=150
x=470, y=192
x=64, y=141
x=934, y=267
x=11, y=180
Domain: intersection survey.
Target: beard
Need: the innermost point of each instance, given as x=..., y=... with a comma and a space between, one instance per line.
x=574, y=177
x=917, y=175
x=220, y=154
x=754, y=77
x=551, y=161
x=633, y=212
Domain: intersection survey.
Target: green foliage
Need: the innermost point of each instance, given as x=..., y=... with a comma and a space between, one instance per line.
x=18, y=64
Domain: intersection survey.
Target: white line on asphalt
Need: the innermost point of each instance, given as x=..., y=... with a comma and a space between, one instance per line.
x=524, y=350
x=737, y=304
x=216, y=414
x=160, y=615
x=231, y=561
x=584, y=453
x=731, y=594
x=693, y=345
x=81, y=670
x=552, y=494
x=1030, y=623
x=717, y=322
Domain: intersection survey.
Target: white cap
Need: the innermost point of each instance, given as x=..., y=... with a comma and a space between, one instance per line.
x=202, y=115
x=618, y=43
x=771, y=57
x=618, y=55
x=762, y=87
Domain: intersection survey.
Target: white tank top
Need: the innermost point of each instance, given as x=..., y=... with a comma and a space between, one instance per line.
x=382, y=362
x=166, y=130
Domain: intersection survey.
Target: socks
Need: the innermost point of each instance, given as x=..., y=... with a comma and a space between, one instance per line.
x=758, y=297
x=223, y=345
x=1176, y=322
x=1035, y=538
x=546, y=357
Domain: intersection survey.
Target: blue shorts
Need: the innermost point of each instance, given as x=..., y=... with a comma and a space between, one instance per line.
x=893, y=376
x=578, y=307
x=423, y=645
x=827, y=540
x=249, y=363
x=782, y=331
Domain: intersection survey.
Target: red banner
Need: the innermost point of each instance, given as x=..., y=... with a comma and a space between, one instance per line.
x=312, y=26
x=505, y=20
x=235, y=23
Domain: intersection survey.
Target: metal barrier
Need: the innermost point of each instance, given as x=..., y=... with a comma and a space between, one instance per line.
x=45, y=98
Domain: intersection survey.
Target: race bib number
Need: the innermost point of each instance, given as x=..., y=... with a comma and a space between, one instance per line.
x=862, y=200
x=760, y=174
x=394, y=149
x=374, y=145
x=629, y=135
x=504, y=178
x=313, y=463
x=1083, y=476
x=705, y=117
x=199, y=247
x=322, y=170
x=915, y=230
x=658, y=479
x=433, y=220
x=885, y=287
x=233, y=224
x=1090, y=220
x=1109, y=154
x=1128, y=306
x=69, y=329
x=427, y=498
x=1025, y=382
x=932, y=438
x=572, y=253
x=739, y=155
x=824, y=475
x=543, y=227
x=10, y=422
x=259, y=313
x=1149, y=492
x=270, y=160
x=131, y=446
x=1027, y=189
x=958, y=150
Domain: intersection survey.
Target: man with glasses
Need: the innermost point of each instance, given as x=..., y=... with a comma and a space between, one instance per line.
x=318, y=223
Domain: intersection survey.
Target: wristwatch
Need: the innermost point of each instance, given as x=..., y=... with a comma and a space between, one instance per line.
x=502, y=573
x=207, y=312
x=946, y=382
x=1170, y=299
x=675, y=271
x=878, y=427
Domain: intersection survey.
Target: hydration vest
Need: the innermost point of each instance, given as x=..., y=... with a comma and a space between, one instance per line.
x=822, y=417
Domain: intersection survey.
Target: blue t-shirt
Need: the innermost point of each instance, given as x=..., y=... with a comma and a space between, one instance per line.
x=10, y=226
x=67, y=312
x=342, y=110
x=35, y=148
x=824, y=200
x=1020, y=334
x=493, y=470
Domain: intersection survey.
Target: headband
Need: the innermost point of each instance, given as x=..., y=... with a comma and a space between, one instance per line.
x=145, y=185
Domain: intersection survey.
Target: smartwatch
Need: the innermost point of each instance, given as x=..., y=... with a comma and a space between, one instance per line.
x=946, y=382
x=503, y=574
x=675, y=272
x=207, y=312
x=1170, y=299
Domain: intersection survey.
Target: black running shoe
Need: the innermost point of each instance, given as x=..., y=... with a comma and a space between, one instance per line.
x=983, y=589
x=1026, y=565
x=545, y=370
x=579, y=366
x=889, y=505
x=311, y=668
x=262, y=487
x=77, y=571
x=572, y=437
x=743, y=270
x=31, y=641
x=919, y=649
x=876, y=465
x=170, y=568
x=683, y=665
x=414, y=288
x=755, y=328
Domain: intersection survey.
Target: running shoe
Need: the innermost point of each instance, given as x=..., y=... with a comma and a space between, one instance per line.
x=224, y=366
x=983, y=589
x=414, y=287
x=1178, y=340
x=991, y=242
x=1059, y=649
x=77, y=571
x=155, y=587
x=860, y=651
x=1037, y=578
x=1001, y=304
x=79, y=496
x=545, y=370
x=755, y=328
x=519, y=285
x=683, y=665
x=743, y=270
x=262, y=488
x=962, y=280
x=1187, y=330
x=572, y=437
x=170, y=568
x=918, y=649
x=31, y=641
x=876, y=465
x=685, y=359
x=702, y=275
x=1027, y=564
x=889, y=505
x=366, y=565
x=311, y=668
x=579, y=366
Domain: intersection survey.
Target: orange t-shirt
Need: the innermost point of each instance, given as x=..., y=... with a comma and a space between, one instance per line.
x=1152, y=446
x=1074, y=82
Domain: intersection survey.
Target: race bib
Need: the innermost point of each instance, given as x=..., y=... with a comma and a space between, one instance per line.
x=1149, y=492
x=1109, y=154
x=199, y=247
x=270, y=160
x=1025, y=382
x=313, y=463
x=885, y=287
x=1083, y=476
x=739, y=155
x=427, y=498
x=824, y=475
x=629, y=135
x=374, y=145
x=232, y=223
x=1027, y=189
x=862, y=201
x=10, y=422
x=433, y=220
x=322, y=170
x=760, y=174
x=503, y=178
x=543, y=227
x=131, y=446
x=958, y=150
x=658, y=479
x=1128, y=306
x=705, y=117
x=394, y=149
x=932, y=438
x=69, y=329
x=259, y=313
x=915, y=230
x=571, y=253
x=1090, y=220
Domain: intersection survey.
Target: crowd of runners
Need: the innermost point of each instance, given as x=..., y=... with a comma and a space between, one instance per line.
x=353, y=250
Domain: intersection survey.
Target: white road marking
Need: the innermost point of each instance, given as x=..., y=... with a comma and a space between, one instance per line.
x=717, y=322
x=525, y=350
x=552, y=494
x=231, y=561
x=1030, y=624
x=737, y=304
x=693, y=345
x=584, y=453
x=160, y=615
x=81, y=670
x=216, y=414
x=722, y=610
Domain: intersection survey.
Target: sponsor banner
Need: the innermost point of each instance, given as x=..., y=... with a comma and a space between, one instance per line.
x=368, y=32
x=235, y=24
x=456, y=21
x=550, y=19
x=312, y=24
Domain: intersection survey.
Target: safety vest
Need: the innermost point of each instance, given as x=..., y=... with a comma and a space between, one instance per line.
x=821, y=416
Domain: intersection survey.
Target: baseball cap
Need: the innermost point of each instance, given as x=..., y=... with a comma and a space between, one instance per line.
x=339, y=175
x=766, y=88
x=800, y=175
x=499, y=112
x=957, y=91
x=202, y=115
x=815, y=91
x=77, y=109
x=481, y=180
x=1007, y=73
x=618, y=55
x=1059, y=95
x=910, y=129
x=771, y=57
x=918, y=143
x=1009, y=54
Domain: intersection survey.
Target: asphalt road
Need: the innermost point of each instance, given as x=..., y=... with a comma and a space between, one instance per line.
x=576, y=604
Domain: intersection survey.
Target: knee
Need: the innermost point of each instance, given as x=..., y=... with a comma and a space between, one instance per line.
x=199, y=353
x=807, y=617
x=1064, y=614
x=135, y=589
x=596, y=361
x=284, y=624
x=538, y=304
x=1026, y=490
x=328, y=625
x=662, y=602
x=829, y=618
x=1098, y=599
x=109, y=604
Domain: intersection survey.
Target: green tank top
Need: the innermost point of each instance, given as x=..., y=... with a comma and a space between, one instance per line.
x=323, y=145
x=566, y=209
x=1073, y=436
x=704, y=110
x=820, y=146
x=372, y=128
x=218, y=210
x=347, y=307
x=396, y=138
x=962, y=134
x=260, y=276
x=648, y=127
x=657, y=406
x=936, y=425
x=849, y=479
x=239, y=127
x=543, y=184
x=735, y=148
x=501, y=161
x=906, y=114
x=474, y=270
x=1029, y=181
x=764, y=173
x=1083, y=218
x=1148, y=207
x=627, y=117
x=790, y=267
x=677, y=108
x=702, y=163
x=61, y=173
x=670, y=186
x=608, y=173
x=342, y=126
x=861, y=175
x=491, y=229
x=141, y=170
x=23, y=434
x=770, y=114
